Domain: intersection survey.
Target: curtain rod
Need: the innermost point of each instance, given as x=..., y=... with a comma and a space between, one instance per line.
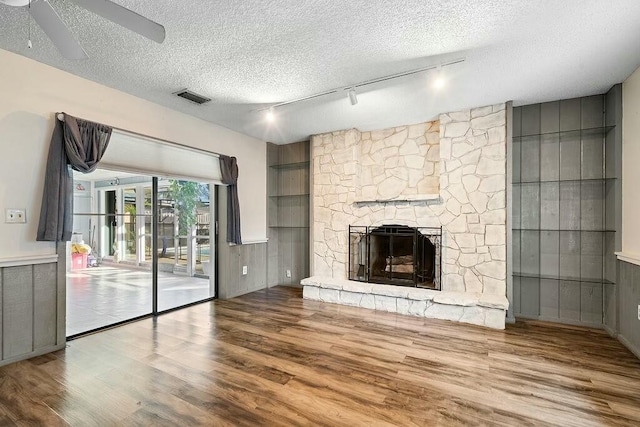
x=60, y=117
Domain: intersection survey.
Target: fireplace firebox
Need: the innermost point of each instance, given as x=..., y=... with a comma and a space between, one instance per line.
x=395, y=255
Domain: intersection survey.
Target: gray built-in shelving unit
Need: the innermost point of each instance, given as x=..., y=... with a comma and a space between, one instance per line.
x=565, y=210
x=288, y=213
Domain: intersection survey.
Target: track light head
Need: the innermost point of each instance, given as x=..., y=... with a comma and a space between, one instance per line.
x=271, y=115
x=439, y=81
x=353, y=98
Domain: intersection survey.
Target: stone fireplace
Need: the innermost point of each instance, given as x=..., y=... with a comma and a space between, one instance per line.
x=448, y=174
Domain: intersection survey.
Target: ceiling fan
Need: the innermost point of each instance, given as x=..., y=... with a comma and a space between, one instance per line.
x=47, y=18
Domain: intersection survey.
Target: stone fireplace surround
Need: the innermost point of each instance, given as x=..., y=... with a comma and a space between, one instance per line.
x=378, y=177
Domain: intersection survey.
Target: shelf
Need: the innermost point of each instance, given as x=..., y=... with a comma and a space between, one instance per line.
x=297, y=165
x=290, y=195
x=549, y=229
x=564, y=180
x=564, y=278
x=603, y=130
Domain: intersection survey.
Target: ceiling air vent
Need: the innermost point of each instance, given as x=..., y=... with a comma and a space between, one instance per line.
x=192, y=96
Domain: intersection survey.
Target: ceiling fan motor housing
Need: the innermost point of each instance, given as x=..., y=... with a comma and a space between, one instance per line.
x=17, y=3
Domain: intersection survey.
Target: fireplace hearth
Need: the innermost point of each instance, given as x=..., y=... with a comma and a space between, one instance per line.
x=395, y=255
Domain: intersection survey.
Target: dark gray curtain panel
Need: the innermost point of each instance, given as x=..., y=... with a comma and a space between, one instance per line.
x=75, y=144
x=229, y=169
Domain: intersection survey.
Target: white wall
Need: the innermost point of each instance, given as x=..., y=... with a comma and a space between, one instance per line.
x=30, y=94
x=631, y=166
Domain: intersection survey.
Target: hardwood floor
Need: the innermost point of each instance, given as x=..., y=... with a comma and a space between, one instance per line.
x=272, y=358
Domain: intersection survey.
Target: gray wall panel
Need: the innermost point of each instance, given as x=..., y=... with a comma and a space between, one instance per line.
x=570, y=301
x=530, y=119
x=610, y=206
x=610, y=306
x=592, y=156
x=592, y=111
x=44, y=316
x=592, y=205
x=550, y=117
x=17, y=312
x=591, y=258
x=530, y=297
x=272, y=257
x=516, y=212
x=516, y=159
x=629, y=289
x=32, y=310
x=610, y=271
x=550, y=253
x=549, y=297
x=569, y=205
x=272, y=211
x=610, y=154
x=591, y=303
x=550, y=158
x=530, y=252
x=570, y=254
x=570, y=114
x=570, y=155
x=516, y=251
x=517, y=122
x=550, y=205
x=530, y=206
x=517, y=308
x=530, y=151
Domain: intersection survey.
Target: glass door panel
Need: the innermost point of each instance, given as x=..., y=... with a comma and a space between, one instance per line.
x=108, y=280
x=184, y=258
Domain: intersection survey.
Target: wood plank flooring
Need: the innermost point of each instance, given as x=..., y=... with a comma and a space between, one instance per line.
x=272, y=358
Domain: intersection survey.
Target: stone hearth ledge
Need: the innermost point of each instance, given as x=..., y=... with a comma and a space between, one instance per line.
x=467, y=307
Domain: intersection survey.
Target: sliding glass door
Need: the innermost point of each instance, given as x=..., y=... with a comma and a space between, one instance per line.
x=141, y=245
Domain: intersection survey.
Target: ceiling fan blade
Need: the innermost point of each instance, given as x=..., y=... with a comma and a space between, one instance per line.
x=56, y=30
x=125, y=17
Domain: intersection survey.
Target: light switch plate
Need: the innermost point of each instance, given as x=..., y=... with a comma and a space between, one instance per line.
x=288, y=273
x=244, y=270
x=15, y=216
x=638, y=311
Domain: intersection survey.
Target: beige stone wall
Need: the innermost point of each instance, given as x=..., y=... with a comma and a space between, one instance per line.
x=470, y=208
x=399, y=163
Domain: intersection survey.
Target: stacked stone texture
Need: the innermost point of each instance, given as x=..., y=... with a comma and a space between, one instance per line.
x=368, y=179
x=397, y=163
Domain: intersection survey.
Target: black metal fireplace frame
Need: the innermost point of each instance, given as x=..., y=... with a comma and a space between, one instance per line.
x=419, y=234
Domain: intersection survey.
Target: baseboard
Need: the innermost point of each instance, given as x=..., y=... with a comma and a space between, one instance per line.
x=635, y=350
x=244, y=292
x=610, y=331
x=625, y=342
x=562, y=321
x=36, y=353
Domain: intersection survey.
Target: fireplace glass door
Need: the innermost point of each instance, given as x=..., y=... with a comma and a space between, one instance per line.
x=395, y=255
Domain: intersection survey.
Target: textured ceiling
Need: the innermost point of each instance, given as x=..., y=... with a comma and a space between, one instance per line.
x=247, y=54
